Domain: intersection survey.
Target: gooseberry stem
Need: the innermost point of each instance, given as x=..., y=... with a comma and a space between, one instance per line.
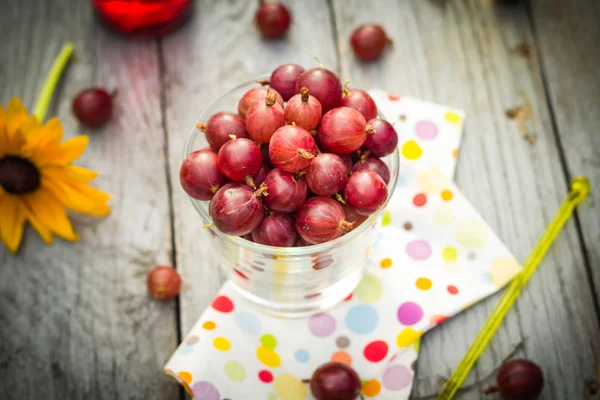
x=60, y=63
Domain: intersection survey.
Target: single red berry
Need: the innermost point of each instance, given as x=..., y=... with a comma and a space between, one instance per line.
x=93, y=107
x=163, y=283
x=273, y=19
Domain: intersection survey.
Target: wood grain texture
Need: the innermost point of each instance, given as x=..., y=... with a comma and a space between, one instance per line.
x=76, y=321
x=567, y=40
x=460, y=53
x=217, y=50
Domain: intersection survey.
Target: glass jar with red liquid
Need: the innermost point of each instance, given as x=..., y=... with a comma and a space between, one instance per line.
x=146, y=18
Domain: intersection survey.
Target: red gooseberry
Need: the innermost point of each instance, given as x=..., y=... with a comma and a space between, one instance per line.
x=324, y=85
x=286, y=191
x=264, y=118
x=292, y=148
x=343, y=130
x=163, y=283
x=239, y=159
x=93, y=107
x=361, y=102
x=256, y=95
x=273, y=19
x=303, y=110
x=236, y=209
x=327, y=174
x=275, y=230
x=369, y=41
x=200, y=175
x=321, y=219
x=366, y=191
x=383, y=139
x=220, y=126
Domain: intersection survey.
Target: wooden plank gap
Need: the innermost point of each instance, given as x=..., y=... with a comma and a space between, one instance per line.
x=163, y=119
x=561, y=152
x=336, y=38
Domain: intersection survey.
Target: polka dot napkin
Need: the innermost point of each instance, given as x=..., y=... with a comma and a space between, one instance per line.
x=433, y=257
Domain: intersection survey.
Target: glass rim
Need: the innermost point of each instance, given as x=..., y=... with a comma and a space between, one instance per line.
x=286, y=251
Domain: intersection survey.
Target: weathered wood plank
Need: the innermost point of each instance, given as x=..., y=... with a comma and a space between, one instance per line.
x=567, y=38
x=219, y=49
x=75, y=319
x=461, y=53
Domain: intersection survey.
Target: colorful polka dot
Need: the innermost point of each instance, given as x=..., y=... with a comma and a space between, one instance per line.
x=186, y=349
x=401, y=180
x=342, y=357
x=248, y=323
x=472, y=234
x=432, y=182
x=503, y=270
x=437, y=319
x=452, y=289
x=393, y=97
x=423, y=284
x=447, y=195
x=321, y=325
x=455, y=154
x=235, y=371
x=186, y=376
x=411, y=150
x=371, y=388
x=271, y=396
x=452, y=117
x=288, y=387
x=205, y=391
x=376, y=351
x=342, y=342
x=265, y=376
x=426, y=130
x=192, y=339
x=386, y=263
x=369, y=289
x=268, y=341
x=408, y=226
x=485, y=278
x=221, y=344
x=396, y=377
x=386, y=219
x=416, y=345
x=418, y=250
x=471, y=256
x=268, y=357
x=302, y=356
x=362, y=319
x=420, y=199
x=444, y=215
x=349, y=297
x=209, y=325
x=449, y=254
x=223, y=304
x=409, y=313
x=407, y=336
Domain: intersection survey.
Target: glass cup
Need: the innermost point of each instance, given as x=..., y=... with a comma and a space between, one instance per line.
x=289, y=281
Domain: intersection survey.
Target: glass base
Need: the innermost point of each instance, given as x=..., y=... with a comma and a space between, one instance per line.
x=327, y=299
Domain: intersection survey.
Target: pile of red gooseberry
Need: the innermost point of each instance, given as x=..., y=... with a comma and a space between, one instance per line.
x=299, y=164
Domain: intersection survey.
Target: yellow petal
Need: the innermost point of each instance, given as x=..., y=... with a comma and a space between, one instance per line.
x=16, y=116
x=67, y=152
x=44, y=232
x=51, y=133
x=51, y=213
x=71, y=173
x=12, y=222
x=79, y=197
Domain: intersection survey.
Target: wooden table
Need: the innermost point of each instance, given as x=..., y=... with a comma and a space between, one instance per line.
x=75, y=319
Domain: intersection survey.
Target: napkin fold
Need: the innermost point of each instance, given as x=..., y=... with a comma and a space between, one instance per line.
x=433, y=256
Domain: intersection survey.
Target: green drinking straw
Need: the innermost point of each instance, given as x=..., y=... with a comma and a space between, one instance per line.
x=580, y=188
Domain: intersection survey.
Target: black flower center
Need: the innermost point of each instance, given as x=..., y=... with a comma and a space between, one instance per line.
x=18, y=175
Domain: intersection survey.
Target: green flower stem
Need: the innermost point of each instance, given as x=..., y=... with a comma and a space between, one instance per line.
x=61, y=61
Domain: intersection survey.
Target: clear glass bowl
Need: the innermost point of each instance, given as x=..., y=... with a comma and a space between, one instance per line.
x=288, y=281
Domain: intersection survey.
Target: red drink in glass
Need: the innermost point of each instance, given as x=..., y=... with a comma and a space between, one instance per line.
x=143, y=17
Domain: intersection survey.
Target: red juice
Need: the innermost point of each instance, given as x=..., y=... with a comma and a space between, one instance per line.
x=143, y=17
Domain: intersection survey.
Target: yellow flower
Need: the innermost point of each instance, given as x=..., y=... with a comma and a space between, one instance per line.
x=37, y=180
